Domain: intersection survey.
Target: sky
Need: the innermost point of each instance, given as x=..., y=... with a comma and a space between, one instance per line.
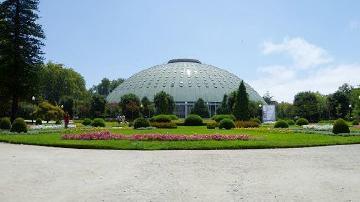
x=280, y=46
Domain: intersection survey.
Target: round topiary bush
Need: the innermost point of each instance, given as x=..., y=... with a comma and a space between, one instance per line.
x=355, y=122
x=227, y=124
x=19, y=126
x=220, y=117
x=340, y=126
x=193, y=120
x=256, y=120
x=281, y=124
x=86, y=122
x=98, y=122
x=302, y=121
x=291, y=122
x=162, y=118
x=212, y=125
x=38, y=121
x=5, y=123
x=141, y=123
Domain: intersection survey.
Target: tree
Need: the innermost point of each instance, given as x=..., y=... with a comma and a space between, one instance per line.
x=269, y=99
x=254, y=110
x=20, y=49
x=147, y=109
x=241, y=108
x=285, y=110
x=106, y=86
x=68, y=105
x=48, y=112
x=164, y=103
x=130, y=106
x=200, y=108
x=58, y=81
x=97, y=108
x=338, y=104
x=306, y=106
x=224, y=107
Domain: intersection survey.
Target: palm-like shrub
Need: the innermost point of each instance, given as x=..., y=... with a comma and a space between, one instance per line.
x=98, y=122
x=340, y=126
x=281, y=124
x=302, y=121
x=5, y=123
x=141, y=123
x=226, y=124
x=19, y=126
x=193, y=120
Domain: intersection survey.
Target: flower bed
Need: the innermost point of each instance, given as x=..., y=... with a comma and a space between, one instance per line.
x=105, y=135
x=52, y=126
x=318, y=127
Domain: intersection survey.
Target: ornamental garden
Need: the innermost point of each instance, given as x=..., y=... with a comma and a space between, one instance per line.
x=193, y=106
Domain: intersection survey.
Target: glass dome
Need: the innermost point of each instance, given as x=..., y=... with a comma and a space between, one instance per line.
x=186, y=80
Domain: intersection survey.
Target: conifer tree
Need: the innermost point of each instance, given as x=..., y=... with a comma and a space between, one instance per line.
x=241, y=108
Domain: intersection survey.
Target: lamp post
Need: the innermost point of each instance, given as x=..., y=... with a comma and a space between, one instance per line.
x=141, y=108
x=186, y=103
x=350, y=107
x=32, y=115
x=260, y=108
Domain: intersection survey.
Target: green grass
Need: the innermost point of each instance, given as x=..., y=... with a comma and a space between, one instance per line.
x=262, y=138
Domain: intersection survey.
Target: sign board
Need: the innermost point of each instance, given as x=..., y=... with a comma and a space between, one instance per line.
x=268, y=113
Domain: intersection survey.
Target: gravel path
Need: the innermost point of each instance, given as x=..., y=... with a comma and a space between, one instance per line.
x=32, y=173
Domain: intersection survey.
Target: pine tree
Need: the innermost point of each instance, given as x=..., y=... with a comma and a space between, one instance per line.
x=20, y=49
x=241, y=108
x=200, y=109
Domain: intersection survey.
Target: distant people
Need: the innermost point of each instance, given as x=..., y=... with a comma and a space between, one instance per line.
x=118, y=119
x=66, y=119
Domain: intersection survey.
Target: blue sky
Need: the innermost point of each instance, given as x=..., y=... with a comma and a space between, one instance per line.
x=278, y=46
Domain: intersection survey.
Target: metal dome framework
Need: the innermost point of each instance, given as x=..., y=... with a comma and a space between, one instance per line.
x=186, y=80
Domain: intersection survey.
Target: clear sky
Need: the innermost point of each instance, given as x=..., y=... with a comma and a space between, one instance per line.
x=283, y=46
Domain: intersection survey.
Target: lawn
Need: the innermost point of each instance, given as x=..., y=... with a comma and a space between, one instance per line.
x=261, y=138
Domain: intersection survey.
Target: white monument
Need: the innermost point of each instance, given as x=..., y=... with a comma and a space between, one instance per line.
x=268, y=113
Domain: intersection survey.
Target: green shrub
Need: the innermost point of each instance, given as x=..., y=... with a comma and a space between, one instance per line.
x=141, y=123
x=86, y=122
x=212, y=125
x=340, y=126
x=290, y=122
x=5, y=123
x=173, y=117
x=162, y=118
x=256, y=120
x=246, y=124
x=193, y=120
x=220, y=117
x=38, y=121
x=302, y=121
x=281, y=124
x=227, y=124
x=19, y=126
x=163, y=125
x=355, y=122
x=98, y=122
x=58, y=122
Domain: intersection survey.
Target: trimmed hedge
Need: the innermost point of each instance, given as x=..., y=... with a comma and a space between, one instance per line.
x=220, y=117
x=163, y=125
x=281, y=124
x=227, y=124
x=193, y=120
x=19, y=126
x=290, y=122
x=98, y=122
x=256, y=120
x=38, y=121
x=141, y=123
x=162, y=118
x=340, y=126
x=246, y=124
x=87, y=122
x=302, y=121
x=5, y=123
x=212, y=125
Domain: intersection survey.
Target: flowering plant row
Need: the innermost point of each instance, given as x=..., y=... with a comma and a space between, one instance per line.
x=105, y=135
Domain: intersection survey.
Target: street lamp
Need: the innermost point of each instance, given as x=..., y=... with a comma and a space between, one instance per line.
x=350, y=107
x=260, y=111
x=32, y=116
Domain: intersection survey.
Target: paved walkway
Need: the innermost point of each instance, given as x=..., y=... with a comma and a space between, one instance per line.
x=31, y=173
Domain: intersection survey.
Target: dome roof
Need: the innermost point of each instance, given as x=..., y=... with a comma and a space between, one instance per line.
x=186, y=80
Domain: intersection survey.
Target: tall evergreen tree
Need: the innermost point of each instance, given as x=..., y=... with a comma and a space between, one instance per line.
x=164, y=103
x=241, y=107
x=20, y=49
x=224, y=107
x=200, y=109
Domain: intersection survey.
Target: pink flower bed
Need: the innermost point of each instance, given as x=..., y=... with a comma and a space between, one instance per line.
x=105, y=135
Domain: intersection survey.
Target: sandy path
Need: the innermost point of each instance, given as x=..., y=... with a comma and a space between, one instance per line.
x=32, y=173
